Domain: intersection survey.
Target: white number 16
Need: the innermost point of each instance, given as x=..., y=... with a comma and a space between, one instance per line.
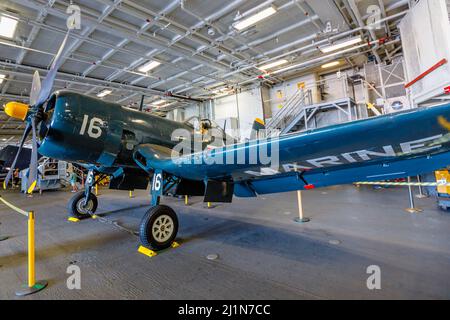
x=94, y=130
x=157, y=182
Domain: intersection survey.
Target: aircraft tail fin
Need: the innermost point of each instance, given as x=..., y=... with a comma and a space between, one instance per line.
x=257, y=129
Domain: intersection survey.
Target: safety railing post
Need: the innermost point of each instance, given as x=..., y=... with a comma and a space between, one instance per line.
x=421, y=195
x=412, y=208
x=32, y=285
x=300, y=218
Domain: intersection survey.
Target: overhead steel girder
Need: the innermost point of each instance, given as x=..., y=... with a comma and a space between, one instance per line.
x=104, y=45
x=114, y=85
x=188, y=32
x=143, y=39
x=11, y=132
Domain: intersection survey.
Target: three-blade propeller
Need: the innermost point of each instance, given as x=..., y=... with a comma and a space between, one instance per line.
x=32, y=114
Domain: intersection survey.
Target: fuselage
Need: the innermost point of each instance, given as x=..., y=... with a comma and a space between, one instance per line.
x=87, y=130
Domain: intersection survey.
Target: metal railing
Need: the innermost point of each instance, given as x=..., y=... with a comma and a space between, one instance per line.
x=290, y=111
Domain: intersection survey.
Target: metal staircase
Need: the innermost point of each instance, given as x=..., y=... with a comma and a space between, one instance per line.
x=294, y=109
x=300, y=114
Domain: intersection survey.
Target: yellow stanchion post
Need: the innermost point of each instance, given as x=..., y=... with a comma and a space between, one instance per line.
x=96, y=189
x=131, y=194
x=32, y=286
x=186, y=200
x=31, y=252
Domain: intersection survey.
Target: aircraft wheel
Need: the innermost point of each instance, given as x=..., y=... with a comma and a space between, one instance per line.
x=158, y=228
x=79, y=209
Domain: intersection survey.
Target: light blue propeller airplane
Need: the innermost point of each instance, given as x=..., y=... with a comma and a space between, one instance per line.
x=134, y=148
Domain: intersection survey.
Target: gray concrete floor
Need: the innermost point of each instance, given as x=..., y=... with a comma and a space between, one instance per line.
x=263, y=254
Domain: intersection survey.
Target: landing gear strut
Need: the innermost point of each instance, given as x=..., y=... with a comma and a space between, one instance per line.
x=84, y=203
x=159, y=226
x=80, y=208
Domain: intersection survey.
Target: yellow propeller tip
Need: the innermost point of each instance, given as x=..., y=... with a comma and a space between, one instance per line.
x=16, y=110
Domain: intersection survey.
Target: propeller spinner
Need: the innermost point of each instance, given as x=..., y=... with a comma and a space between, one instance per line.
x=33, y=114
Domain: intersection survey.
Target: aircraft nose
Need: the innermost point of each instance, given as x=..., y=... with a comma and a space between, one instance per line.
x=16, y=110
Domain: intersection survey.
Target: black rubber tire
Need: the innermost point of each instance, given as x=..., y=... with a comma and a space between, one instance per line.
x=145, y=230
x=74, y=205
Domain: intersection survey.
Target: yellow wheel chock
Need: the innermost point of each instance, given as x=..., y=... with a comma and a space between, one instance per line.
x=150, y=253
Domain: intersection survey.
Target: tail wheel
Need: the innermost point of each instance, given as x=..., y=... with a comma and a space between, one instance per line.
x=159, y=227
x=81, y=210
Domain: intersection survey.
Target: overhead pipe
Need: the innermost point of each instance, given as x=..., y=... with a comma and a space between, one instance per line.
x=251, y=11
x=293, y=43
x=131, y=34
x=119, y=86
x=183, y=7
x=327, y=57
x=316, y=44
x=11, y=44
x=192, y=34
x=166, y=10
x=231, y=34
x=93, y=41
x=306, y=13
x=359, y=20
x=278, y=33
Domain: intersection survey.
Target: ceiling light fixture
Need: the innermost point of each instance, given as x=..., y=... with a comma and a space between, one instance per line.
x=255, y=18
x=273, y=64
x=340, y=45
x=104, y=93
x=331, y=64
x=159, y=102
x=8, y=27
x=149, y=66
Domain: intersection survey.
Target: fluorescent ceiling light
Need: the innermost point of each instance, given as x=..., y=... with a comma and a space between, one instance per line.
x=7, y=27
x=2, y=78
x=159, y=102
x=273, y=64
x=104, y=93
x=341, y=45
x=149, y=66
x=331, y=64
x=255, y=18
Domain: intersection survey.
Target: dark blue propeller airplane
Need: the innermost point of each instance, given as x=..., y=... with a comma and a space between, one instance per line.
x=134, y=148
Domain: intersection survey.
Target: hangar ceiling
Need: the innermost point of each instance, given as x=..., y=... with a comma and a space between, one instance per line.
x=198, y=50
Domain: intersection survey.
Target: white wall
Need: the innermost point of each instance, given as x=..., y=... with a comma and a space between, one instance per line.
x=425, y=39
x=191, y=111
x=183, y=114
x=245, y=106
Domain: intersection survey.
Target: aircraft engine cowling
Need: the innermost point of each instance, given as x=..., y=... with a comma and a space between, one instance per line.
x=87, y=125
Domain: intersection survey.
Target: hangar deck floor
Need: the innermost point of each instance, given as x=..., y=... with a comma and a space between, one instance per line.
x=262, y=252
